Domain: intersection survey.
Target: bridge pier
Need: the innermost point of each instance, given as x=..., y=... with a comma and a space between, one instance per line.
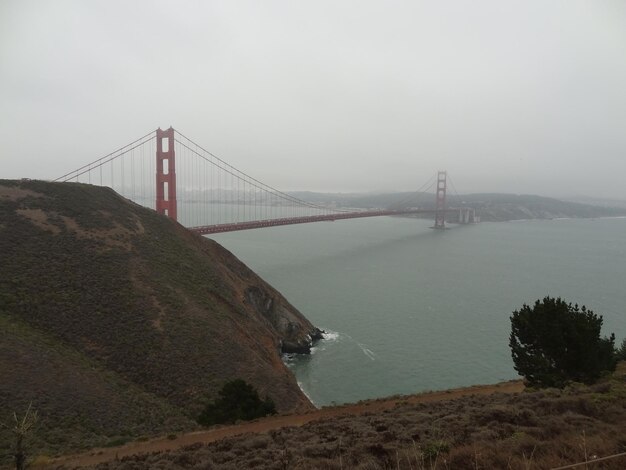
x=166, y=174
x=467, y=215
x=440, y=202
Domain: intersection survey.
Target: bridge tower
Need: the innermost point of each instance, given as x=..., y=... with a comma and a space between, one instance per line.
x=440, y=203
x=166, y=173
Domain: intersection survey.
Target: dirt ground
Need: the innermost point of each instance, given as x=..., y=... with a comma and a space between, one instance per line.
x=96, y=456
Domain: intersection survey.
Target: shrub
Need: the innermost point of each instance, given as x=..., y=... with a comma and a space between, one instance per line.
x=432, y=450
x=554, y=342
x=237, y=400
x=621, y=351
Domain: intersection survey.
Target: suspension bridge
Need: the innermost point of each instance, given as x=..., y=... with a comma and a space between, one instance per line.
x=170, y=173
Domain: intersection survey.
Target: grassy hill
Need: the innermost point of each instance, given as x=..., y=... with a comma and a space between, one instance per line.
x=117, y=323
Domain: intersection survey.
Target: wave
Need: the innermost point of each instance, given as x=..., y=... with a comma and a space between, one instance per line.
x=305, y=394
x=331, y=336
x=368, y=352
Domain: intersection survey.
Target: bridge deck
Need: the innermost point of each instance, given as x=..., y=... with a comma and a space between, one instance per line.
x=233, y=227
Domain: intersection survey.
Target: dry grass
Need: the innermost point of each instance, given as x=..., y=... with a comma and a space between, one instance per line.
x=530, y=430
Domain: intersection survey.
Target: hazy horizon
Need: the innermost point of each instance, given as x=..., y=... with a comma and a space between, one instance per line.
x=354, y=96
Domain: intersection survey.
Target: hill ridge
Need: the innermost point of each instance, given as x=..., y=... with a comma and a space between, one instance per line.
x=89, y=276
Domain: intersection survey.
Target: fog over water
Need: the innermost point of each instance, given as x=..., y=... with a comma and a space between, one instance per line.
x=524, y=97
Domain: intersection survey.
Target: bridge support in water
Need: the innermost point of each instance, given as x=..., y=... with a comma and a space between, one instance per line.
x=166, y=173
x=440, y=202
x=467, y=215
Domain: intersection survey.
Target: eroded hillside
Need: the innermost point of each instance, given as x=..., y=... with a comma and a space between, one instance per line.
x=107, y=308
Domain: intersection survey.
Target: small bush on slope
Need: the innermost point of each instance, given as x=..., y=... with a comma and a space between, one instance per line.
x=237, y=400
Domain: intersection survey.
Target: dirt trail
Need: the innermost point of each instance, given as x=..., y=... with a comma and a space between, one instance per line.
x=96, y=456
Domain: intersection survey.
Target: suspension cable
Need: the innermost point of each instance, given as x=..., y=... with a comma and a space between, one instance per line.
x=425, y=187
x=454, y=188
x=253, y=181
x=89, y=166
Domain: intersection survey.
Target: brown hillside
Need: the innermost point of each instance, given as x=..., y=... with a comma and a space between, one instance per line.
x=99, y=295
x=495, y=427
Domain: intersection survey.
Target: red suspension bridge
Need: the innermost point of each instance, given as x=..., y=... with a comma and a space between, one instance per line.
x=170, y=173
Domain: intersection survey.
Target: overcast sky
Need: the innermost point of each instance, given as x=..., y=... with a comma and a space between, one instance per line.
x=511, y=96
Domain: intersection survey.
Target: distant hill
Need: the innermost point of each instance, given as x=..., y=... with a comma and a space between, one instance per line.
x=116, y=322
x=492, y=207
x=502, y=207
x=592, y=201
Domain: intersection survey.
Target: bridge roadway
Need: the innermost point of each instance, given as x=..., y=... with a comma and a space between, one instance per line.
x=233, y=227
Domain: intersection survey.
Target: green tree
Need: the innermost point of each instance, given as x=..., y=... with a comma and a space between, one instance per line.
x=621, y=351
x=554, y=342
x=237, y=400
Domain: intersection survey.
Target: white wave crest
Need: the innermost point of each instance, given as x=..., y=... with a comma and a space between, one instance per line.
x=368, y=352
x=304, y=391
x=330, y=335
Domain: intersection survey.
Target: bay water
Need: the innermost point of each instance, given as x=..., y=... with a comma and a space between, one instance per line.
x=409, y=309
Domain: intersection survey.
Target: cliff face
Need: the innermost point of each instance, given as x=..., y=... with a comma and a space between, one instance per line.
x=121, y=297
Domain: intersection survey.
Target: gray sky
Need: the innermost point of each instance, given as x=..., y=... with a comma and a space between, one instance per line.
x=513, y=96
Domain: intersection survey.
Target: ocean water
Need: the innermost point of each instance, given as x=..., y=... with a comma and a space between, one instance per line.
x=410, y=309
